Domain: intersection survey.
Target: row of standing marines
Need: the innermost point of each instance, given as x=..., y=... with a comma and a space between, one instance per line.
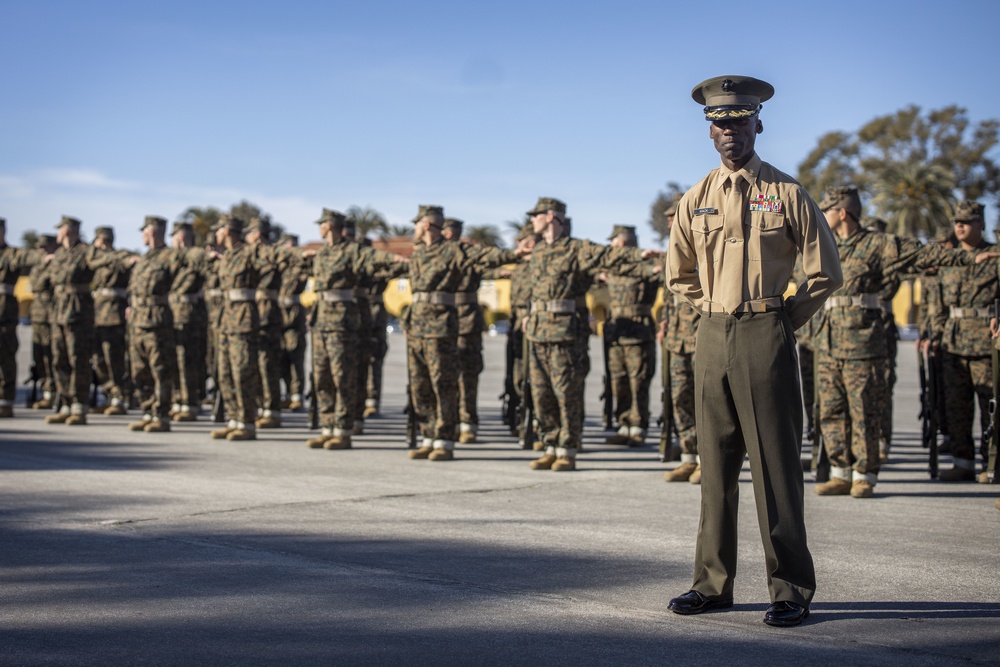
x=238, y=302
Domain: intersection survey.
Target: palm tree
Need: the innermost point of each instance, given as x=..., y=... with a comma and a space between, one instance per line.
x=915, y=197
x=401, y=231
x=367, y=220
x=202, y=219
x=486, y=234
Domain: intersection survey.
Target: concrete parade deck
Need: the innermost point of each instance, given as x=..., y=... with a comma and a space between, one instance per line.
x=172, y=548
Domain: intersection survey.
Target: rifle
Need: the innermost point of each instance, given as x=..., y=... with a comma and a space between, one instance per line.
x=820, y=459
x=411, y=419
x=608, y=395
x=928, y=408
x=527, y=417
x=312, y=395
x=666, y=420
x=510, y=402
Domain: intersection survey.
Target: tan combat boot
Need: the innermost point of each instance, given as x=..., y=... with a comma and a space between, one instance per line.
x=563, y=464
x=141, y=424
x=983, y=477
x=45, y=403
x=59, y=417
x=620, y=438
x=242, y=433
x=441, y=454
x=77, y=415
x=97, y=409
x=157, y=426
x=295, y=403
x=538, y=446
x=319, y=440
x=269, y=420
x=695, y=477
x=339, y=440
x=114, y=409
x=426, y=447
x=681, y=473
x=467, y=438
x=222, y=433
x=835, y=487
x=544, y=463
x=370, y=411
x=862, y=488
x=186, y=414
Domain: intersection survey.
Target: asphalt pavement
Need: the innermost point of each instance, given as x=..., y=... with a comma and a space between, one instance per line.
x=175, y=549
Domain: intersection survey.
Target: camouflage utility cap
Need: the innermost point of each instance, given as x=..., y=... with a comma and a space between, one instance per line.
x=259, y=225
x=285, y=238
x=68, y=221
x=842, y=196
x=335, y=218
x=46, y=239
x=229, y=222
x=526, y=232
x=153, y=221
x=548, y=204
x=425, y=210
x=181, y=226
x=732, y=96
x=968, y=211
x=454, y=223
x=621, y=229
x=106, y=232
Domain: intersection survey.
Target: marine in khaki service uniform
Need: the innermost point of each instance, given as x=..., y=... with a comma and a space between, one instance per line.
x=560, y=272
x=73, y=266
x=152, y=334
x=732, y=252
x=337, y=329
x=14, y=262
x=42, y=291
x=631, y=334
x=110, y=300
x=436, y=270
x=850, y=341
x=238, y=336
x=962, y=332
x=187, y=302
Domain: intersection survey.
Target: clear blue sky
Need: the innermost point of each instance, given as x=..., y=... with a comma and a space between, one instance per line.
x=114, y=110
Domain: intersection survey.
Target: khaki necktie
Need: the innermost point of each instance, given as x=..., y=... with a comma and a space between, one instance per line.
x=732, y=267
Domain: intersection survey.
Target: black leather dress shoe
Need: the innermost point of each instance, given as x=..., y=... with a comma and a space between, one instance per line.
x=694, y=602
x=785, y=614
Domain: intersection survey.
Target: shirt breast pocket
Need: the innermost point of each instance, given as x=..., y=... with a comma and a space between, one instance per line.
x=767, y=237
x=706, y=233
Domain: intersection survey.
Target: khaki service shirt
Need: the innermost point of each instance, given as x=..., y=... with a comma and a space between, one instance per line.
x=779, y=222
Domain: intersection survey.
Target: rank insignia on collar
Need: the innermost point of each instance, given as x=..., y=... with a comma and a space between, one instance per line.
x=767, y=204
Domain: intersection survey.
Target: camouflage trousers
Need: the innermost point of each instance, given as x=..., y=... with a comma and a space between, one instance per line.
x=632, y=368
x=966, y=379
x=851, y=396
x=335, y=365
x=8, y=361
x=72, y=347
x=807, y=369
x=269, y=361
x=293, y=360
x=433, y=369
x=892, y=343
x=109, y=360
x=682, y=395
x=239, y=375
x=41, y=355
x=556, y=377
x=470, y=366
x=190, y=370
x=153, y=360
x=380, y=347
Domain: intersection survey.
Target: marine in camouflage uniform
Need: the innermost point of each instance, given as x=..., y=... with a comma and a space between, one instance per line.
x=239, y=269
x=520, y=296
x=14, y=262
x=850, y=342
x=214, y=299
x=73, y=266
x=379, y=343
x=151, y=320
x=274, y=263
x=293, y=324
x=337, y=329
x=878, y=226
x=471, y=325
x=190, y=314
x=40, y=313
x=631, y=335
x=561, y=270
x=680, y=334
x=962, y=331
x=110, y=299
x=436, y=271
